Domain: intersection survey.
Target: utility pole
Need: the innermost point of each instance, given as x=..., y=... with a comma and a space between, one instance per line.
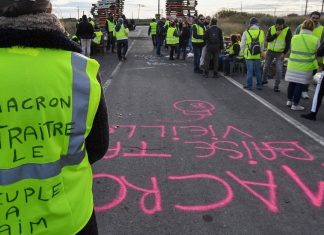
x=242, y=7
x=159, y=7
x=322, y=7
x=306, y=7
x=79, y=12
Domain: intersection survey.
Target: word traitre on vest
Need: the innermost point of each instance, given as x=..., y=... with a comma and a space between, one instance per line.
x=13, y=136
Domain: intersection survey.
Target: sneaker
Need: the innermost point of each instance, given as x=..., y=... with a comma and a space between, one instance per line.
x=264, y=82
x=259, y=88
x=215, y=75
x=247, y=87
x=289, y=103
x=206, y=74
x=276, y=89
x=297, y=107
x=309, y=116
x=305, y=95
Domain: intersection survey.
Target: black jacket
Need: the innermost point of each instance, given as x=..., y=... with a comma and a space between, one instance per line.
x=184, y=37
x=212, y=46
x=85, y=30
x=98, y=139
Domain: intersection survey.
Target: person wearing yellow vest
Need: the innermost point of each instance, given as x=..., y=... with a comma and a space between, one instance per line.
x=172, y=38
x=121, y=34
x=152, y=31
x=252, y=46
x=278, y=39
x=197, y=39
x=301, y=64
x=231, y=53
x=317, y=32
x=110, y=27
x=53, y=125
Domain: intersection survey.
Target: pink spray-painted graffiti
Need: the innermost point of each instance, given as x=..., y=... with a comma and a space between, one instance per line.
x=270, y=201
x=205, y=142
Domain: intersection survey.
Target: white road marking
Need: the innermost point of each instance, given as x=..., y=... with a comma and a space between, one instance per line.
x=316, y=137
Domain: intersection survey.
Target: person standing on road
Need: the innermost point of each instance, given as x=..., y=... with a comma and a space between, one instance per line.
x=198, y=31
x=121, y=33
x=214, y=45
x=54, y=97
x=184, y=40
x=110, y=26
x=152, y=31
x=278, y=38
x=301, y=64
x=252, y=46
x=172, y=38
x=85, y=32
x=317, y=32
x=160, y=35
x=319, y=92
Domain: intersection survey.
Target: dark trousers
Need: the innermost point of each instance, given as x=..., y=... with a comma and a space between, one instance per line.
x=226, y=63
x=154, y=40
x=91, y=227
x=211, y=55
x=172, y=51
x=183, y=49
x=294, y=92
x=159, y=43
x=122, y=47
x=111, y=42
x=197, y=54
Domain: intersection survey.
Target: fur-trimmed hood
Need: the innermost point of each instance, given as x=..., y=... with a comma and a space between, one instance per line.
x=38, y=30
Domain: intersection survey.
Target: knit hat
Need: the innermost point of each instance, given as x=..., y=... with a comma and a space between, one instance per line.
x=253, y=20
x=13, y=8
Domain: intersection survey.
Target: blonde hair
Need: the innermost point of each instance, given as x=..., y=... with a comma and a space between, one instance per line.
x=308, y=24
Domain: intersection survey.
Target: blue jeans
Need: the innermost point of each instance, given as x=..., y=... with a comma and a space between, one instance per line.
x=197, y=54
x=253, y=67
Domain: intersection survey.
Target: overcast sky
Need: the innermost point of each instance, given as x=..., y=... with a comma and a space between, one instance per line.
x=66, y=8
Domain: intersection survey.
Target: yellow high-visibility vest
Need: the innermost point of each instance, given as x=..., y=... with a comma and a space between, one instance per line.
x=279, y=44
x=49, y=99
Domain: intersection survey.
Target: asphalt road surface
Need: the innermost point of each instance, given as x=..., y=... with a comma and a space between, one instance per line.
x=194, y=155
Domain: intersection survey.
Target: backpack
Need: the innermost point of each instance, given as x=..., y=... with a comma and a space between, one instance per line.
x=254, y=47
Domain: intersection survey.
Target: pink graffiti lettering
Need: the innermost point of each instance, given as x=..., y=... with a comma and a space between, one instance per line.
x=315, y=198
x=113, y=152
x=203, y=145
x=271, y=202
x=201, y=131
x=290, y=147
x=238, y=155
x=231, y=129
x=199, y=208
x=249, y=153
x=155, y=192
x=120, y=196
x=144, y=154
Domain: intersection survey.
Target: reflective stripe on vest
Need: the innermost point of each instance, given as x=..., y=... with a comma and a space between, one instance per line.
x=254, y=33
x=303, y=53
x=122, y=33
x=153, y=26
x=200, y=32
x=44, y=168
x=111, y=26
x=170, y=38
x=279, y=44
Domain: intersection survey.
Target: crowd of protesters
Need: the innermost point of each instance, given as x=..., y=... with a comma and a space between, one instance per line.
x=257, y=51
